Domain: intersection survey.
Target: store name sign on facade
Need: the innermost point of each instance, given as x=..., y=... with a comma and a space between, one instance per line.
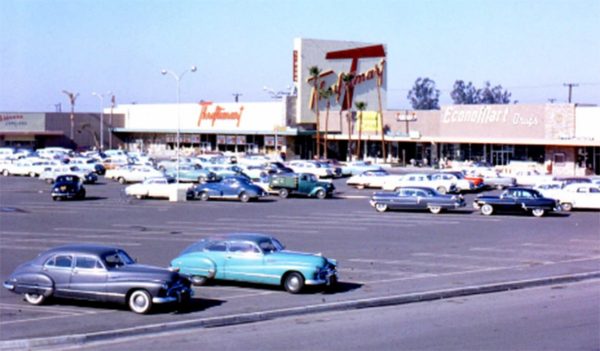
x=376, y=72
x=22, y=122
x=486, y=115
x=212, y=113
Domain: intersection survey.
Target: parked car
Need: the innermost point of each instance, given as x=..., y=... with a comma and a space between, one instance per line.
x=132, y=174
x=300, y=183
x=371, y=179
x=97, y=273
x=255, y=258
x=88, y=164
x=50, y=174
x=306, y=166
x=579, y=195
x=193, y=173
x=529, y=177
x=457, y=178
x=358, y=167
x=516, y=199
x=443, y=185
x=239, y=188
x=415, y=198
x=68, y=186
x=31, y=166
x=160, y=187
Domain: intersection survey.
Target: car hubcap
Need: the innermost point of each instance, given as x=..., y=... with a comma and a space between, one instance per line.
x=294, y=283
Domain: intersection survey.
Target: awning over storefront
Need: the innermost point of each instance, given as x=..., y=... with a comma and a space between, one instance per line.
x=287, y=132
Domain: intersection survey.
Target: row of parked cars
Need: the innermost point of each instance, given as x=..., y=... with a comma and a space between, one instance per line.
x=109, y=274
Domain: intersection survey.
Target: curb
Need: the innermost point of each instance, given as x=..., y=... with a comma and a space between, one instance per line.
x=214, y=322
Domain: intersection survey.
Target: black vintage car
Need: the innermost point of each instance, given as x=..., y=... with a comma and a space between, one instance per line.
x=68, y=186
x=516, y=199
x=98, y=273
x=415, y=198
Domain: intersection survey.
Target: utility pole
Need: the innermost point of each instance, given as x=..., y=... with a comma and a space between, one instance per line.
x=72, y=98
x=570, y=85
x=237, y=97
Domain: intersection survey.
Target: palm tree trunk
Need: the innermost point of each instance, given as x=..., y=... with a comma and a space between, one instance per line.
x=383, y=151
x=326, y=128
x=358, y=150
x=349, y=119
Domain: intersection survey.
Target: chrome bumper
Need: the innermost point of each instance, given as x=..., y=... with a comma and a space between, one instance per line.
x=332, y=276
x=8, y=286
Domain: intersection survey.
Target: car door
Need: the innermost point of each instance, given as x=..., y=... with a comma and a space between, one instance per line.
x=244, y=262
x=229, y=187
x=509, y=201
x=422, y=200
x=406, y=199
x=59, y=268
x=216, y=251
x=88, y=278
x=586, y=197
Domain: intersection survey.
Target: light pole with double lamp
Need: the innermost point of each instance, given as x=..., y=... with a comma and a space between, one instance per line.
x=178, y=80
x=101, y=97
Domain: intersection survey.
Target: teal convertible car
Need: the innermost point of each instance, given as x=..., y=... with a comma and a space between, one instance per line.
x=254, y=258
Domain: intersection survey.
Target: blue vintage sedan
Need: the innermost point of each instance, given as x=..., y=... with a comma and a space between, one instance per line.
x=254, y=258
x=237, y=187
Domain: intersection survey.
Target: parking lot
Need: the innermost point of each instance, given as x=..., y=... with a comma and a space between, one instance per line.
x=379, y=254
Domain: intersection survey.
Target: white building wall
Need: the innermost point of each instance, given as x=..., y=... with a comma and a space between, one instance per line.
x=587, y=123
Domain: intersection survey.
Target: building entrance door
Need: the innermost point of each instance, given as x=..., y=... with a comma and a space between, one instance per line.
x=502, y=155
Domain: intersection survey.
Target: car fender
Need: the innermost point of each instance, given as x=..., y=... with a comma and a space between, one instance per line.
x=195, y=265
x=314, y=191
x=31, y=282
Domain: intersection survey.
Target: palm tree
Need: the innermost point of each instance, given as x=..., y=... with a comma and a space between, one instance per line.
x=381, y=126
x=326, y=94
x=360, y=106
x=347, y=79
x=315, y=72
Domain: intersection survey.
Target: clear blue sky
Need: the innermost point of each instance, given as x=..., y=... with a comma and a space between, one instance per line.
x=530, y=47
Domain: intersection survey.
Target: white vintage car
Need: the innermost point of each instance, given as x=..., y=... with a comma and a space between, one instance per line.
x=132, y=174
x=579, y=195
x=156, y=188
x=529, y=177
x=440, y=184
x=305, y=166
x=50, y=174
x=32, y=167
x=370, y=179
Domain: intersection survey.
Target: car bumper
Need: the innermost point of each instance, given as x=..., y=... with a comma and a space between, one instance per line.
x=324, y=278
x=8, y=286
x=180, y=296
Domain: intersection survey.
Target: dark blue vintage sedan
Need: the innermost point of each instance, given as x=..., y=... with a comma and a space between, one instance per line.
x=415, y=198
x=68, y=186
x=236, y=187
x=98, y=273
x=516, y=199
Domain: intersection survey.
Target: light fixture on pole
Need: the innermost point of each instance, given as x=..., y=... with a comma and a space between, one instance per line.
x=101, y=97
x=178, y=80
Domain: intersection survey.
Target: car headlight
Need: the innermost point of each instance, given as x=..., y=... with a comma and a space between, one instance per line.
x=165, y=286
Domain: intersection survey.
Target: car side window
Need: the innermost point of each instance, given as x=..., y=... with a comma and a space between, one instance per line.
x=84, y=262
x=218, y=246
x=60, y=261
x=239, y=247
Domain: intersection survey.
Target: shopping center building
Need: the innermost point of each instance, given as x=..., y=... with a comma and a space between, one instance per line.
x=561, y=138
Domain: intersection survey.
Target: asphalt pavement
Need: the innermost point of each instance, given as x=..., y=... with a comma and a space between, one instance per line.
x=384, y=258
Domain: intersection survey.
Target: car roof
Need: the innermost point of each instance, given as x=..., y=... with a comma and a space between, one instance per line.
x=254, y=237
x=93, y=249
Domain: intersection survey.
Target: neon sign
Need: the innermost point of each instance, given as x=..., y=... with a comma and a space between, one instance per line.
x=218, y=113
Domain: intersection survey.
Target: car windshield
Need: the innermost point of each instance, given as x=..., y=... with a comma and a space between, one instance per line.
x=270, y=245
x=117, y=259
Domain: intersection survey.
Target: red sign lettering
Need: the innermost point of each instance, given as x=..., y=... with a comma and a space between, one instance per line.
x=218, y=113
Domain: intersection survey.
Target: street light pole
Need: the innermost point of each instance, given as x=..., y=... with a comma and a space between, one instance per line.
x=101, y=97
x=178, y=80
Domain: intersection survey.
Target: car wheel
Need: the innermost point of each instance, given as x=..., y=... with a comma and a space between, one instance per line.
x=567, y=206
x=487, y=209
x=203, y=196
x=381, y=207
x=442, y=190
x=6, y=173
x=244, y=197
x=81, y=195
x=35, y=299
x=198, y=280
x=435, y=209
x=283, y=193
x=49, y=180
x=538, y=212
x=294, y=282
x=321, y=194
x=360, y=186
x=476, y=205
x=122, y=180
x=56, y=198
x=32, y=174
x=140, y=301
